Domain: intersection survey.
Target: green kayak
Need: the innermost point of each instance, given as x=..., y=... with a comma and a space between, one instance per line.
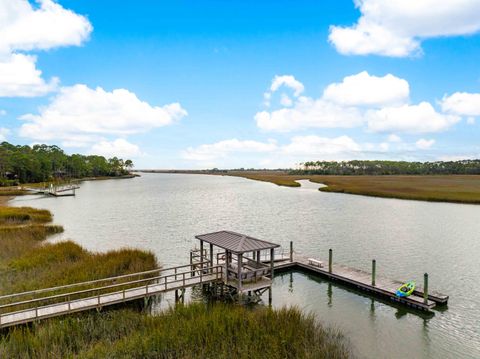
x=406, y=289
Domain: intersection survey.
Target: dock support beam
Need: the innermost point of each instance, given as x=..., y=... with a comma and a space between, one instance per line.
x=330, y=257
x=425, y=288
x=374, y=271
x=291, y=251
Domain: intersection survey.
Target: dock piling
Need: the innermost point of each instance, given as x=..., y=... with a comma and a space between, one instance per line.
x=374, y=271
x=330, y=257
x=425, y=288
x=291, y=251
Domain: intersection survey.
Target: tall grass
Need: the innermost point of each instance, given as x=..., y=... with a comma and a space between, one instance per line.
x=23, y=215
x=195, y=331
x=27, y=264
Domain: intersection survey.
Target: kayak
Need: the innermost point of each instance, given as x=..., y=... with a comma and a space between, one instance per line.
x=406, y=289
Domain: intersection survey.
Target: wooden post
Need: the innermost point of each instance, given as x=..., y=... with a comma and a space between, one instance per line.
x=272, y=258
x=425, y=288
x=291, y=251
x=192, y=273
x=239, y=271
x=176, y=296
x=226, y=266
x=211, y=257
x=374, y=270
x=270, y=296
x=330, y=257
x=258, y=257
x=201, y=255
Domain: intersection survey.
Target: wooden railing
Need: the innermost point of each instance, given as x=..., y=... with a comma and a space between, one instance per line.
x=177, y=277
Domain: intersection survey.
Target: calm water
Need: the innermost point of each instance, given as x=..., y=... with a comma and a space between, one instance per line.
x=163, y=212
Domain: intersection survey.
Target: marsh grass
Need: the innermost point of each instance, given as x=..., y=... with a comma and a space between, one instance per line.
x=23, y=215
x=435, y=188
x=27, y=264
x=194, y=331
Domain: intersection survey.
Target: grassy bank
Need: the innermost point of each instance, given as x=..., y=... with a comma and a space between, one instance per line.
x=438, y=188
x=26, y=263
x=195, y=331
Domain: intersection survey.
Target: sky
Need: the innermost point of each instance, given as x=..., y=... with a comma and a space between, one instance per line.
x=254, y=84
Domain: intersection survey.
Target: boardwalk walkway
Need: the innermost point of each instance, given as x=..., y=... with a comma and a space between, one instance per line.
x=42, y=307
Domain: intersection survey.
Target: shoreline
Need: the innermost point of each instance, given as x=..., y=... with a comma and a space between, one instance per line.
x=462, y=189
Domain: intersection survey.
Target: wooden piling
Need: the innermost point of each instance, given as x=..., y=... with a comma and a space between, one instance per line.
x=291, y=251
x=374, y=271
x=330, y=257
x=425, y=288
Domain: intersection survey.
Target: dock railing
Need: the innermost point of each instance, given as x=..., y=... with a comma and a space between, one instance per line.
x=170, y=278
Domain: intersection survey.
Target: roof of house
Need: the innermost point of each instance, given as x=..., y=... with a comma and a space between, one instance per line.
x=236, y=242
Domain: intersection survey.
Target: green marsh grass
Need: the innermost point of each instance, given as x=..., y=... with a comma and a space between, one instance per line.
x=194, y=331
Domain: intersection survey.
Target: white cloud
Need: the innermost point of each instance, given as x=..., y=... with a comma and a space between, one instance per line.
x=25, y=28
x=4, y=132
x=79, y=115
x=118, y=148
x=462, y=103
x=394, y=138
x=365, y=90
x=209, y=152
x=470, y=120
x=326, y=148
x=421, y=118
x=424, y=144
x=396, y=28
x=3, y=112
x=288, y=81
x=19, y=77
x=307, y=112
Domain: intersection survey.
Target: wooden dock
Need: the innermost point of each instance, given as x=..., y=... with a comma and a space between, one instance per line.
x=54, y=190
x=362, y=280
x=248, y=273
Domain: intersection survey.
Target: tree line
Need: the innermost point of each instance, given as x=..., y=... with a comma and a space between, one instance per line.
x=39, y=163
x=357, y=167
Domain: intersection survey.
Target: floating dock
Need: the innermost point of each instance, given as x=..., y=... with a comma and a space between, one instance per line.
x=362, y=280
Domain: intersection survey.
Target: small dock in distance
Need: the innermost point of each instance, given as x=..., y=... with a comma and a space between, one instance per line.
x=54, y=190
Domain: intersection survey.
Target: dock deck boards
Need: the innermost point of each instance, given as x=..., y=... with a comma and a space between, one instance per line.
x=363, y=280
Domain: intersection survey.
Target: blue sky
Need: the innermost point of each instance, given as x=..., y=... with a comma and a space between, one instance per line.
x=200, y=84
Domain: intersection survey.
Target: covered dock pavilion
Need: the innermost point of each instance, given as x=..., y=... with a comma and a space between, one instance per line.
x=241, y=256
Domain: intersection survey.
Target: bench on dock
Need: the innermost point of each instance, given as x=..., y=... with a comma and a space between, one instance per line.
x=315, y=262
